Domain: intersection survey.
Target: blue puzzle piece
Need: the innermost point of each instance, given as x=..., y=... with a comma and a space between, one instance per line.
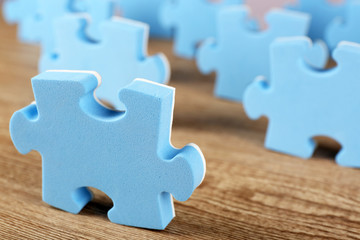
x=20, y=12
x=345, y=29
x=193, y=21
x=127, y=155
x=119, y=58
x=146, y=11
x=302, y=103
x=240, y=55
x=37, y=25
x=322, y=12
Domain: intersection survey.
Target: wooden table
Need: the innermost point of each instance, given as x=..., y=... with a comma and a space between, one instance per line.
x=248, y=192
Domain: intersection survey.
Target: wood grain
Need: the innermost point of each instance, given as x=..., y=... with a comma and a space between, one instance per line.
x=248, y=192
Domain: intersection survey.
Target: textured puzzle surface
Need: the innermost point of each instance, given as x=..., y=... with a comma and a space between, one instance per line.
x=119, y=57
x=36, y=24
x=127, y=155
x=302, y=103
x=239, y=54
x=148, y=13
x=193, y=21
x=322, y=12
x=345, y=29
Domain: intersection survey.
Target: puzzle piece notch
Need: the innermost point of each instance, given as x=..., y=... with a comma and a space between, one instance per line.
x=123, y=153
x=192, y=22
x=234, y=53
x=344, y=29
x=119, y=57
x=322, y=13
x=298, y=98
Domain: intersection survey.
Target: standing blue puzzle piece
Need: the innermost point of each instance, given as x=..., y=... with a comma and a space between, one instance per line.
x=302, y=103
x=20, y=12
x=127, y=155
x=146, y=11
x=119, y=57
x=239, y=55
x=322, y=13
x=345, y=29
x=193, y=21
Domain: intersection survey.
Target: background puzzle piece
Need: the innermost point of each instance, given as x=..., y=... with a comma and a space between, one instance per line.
x=38, y=24
x=127, y=155
x=239, y=55
x=119, y=57
x=345, y=29
x=322, y=13
x=193, y=21
x=21, y=11
x=147, y=13
x=296, y=112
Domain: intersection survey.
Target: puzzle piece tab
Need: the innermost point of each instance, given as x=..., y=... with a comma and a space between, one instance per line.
x=239, y=55
x=322, y=12
x=127, y=155
x=147, y=13
x=193, y=21
x=119, y=57
x=345, y=29
x=302, y=103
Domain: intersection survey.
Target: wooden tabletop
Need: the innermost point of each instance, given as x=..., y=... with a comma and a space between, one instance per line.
x=248, y=192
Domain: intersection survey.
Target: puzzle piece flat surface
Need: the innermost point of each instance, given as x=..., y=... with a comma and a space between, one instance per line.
x=193, y=21
x=119, y=57
x=302, y=103
x=240, y=55
x=147, y=13
x=127, y=155
x=346, y=29
x=38, y=24
x=322, y=13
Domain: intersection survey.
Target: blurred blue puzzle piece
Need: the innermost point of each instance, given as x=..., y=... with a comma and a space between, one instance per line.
x=239, y=55
x=302, y=103
x=20, y=12
x=147, y=13
x=322, y=12
x=346, y=29
x=36, y=26
x=192, y=21
x=127, y=155
x=119, y=57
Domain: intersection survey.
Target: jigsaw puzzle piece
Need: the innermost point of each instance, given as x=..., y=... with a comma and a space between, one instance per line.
x=322, y=12
x=38, y=23
x=193, y=21
x=345, y=29
x=240, y=55
x=20, y=12
x=127, y=155
x=147, y=13
x=119, y=57
x=15, y=11
x=298, y=101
